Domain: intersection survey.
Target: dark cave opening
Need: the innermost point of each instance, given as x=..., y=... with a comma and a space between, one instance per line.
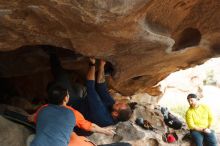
x=189, y=37
x=26, y=72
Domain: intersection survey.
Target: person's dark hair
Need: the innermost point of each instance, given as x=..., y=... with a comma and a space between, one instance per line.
x=191, y=96
x=56, y=94
x=124, y=114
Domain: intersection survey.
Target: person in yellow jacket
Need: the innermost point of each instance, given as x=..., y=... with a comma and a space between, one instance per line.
x=199, y=119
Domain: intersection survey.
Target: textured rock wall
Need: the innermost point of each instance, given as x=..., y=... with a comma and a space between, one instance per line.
x=11, y=133
x=145, y=40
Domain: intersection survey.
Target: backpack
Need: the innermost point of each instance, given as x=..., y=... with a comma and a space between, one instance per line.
x=173, y=122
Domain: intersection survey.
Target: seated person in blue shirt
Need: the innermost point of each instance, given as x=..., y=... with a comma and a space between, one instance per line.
x=55, y=121
x=98, y=106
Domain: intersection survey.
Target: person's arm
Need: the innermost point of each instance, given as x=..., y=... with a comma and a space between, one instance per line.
x=210, y=120
x=81, y=122
x=91, y=72
x=101, y=72
x=210, y=117
x=103, y=130
x=33, y=118
x=98, y=111
x=101, y=86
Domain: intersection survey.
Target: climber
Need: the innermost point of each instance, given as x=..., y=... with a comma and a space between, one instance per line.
x=94, y=101
x=99, y=107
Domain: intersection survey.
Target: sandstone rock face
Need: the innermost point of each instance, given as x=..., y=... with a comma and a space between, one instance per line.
x=144, y=40
x=11, y=133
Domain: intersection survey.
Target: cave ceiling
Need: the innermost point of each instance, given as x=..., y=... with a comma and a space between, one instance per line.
x=144, y=40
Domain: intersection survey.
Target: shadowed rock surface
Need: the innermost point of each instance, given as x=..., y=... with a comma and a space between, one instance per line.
x=144, y=40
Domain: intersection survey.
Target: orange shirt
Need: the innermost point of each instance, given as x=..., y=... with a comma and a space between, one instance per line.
x=81, y=122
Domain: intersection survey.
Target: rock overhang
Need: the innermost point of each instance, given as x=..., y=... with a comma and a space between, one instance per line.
x=144, y=40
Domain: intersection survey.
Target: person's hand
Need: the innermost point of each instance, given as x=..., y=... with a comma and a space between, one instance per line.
x=102, y=62
x=92, y=60
x=104, y=130
x=207, y=130
x=109, y=131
